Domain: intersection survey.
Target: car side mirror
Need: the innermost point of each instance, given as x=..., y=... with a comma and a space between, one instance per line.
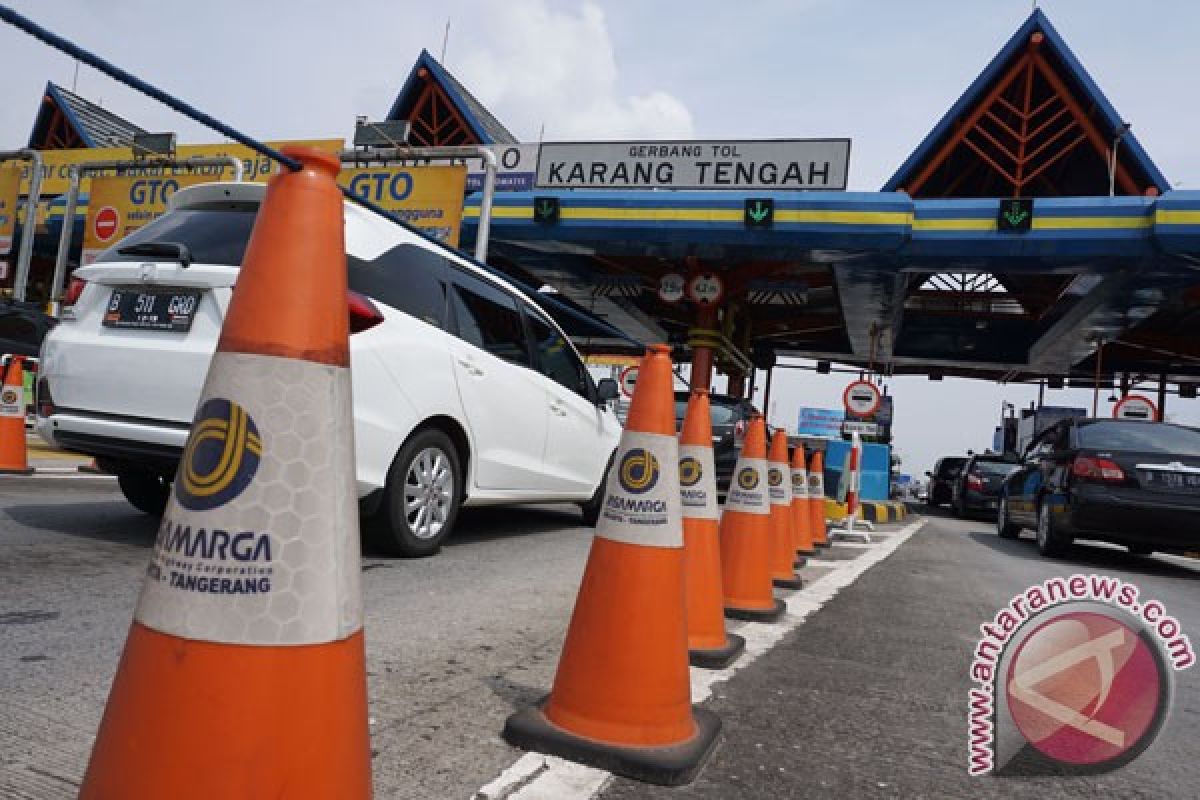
x=606, y=390
x=928, y=474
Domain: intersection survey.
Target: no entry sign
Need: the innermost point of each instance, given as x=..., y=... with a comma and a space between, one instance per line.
x=105, y=223
x=861, y=398
x=1135, y=406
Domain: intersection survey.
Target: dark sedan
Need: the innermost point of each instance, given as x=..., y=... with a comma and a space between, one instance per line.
x=977, y=487
x=1133, y=483
x=941, y=479
x=729, y=418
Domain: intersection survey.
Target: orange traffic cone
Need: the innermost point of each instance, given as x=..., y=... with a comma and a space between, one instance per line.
x=816, y=499
x=244, y=672
x=13, y=460
x=621, y=699
x=746, y=534
x=801, y=513
x=779, y=490
x=708, y=643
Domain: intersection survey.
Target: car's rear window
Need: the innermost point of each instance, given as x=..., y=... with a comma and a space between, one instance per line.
x=996, y=468
x=950, y=466
x=214, y=233
x=720, y=414
x=1145, y=437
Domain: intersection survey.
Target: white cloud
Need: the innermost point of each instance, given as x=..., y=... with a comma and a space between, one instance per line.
x=536, y=65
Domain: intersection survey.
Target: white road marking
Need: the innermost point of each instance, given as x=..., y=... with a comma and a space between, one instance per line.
x=535, y=776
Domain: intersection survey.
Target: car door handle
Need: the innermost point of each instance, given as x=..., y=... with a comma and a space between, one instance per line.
x=470, y=367
x=558, y=408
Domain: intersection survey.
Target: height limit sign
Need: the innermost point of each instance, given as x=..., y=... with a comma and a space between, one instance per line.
x=759, y=212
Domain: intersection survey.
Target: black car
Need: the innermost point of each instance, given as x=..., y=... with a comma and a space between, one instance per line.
x=23, y=326
x=729, y=418
x=1130, y=482
x=941, y=479
x=977, y=487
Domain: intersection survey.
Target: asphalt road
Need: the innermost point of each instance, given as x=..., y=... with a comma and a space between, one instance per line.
x=865, y=698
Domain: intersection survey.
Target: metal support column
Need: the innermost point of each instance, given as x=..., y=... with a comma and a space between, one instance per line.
x=702, y=354
x=1162, y=397
x=29, y=227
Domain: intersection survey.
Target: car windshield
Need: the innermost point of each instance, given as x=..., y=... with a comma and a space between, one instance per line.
x=721, y=414
x=1144, y=437
x=214, y=233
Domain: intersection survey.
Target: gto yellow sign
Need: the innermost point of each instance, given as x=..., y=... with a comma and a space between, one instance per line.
x=430, y=198
x=10, y=184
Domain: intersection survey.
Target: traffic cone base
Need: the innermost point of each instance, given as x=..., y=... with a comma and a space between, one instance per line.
x=26, y=471
x=788, y=583
x=717, y=657
x=670, y=765
x=177, y=739
x=770, y=614
x=800, y=562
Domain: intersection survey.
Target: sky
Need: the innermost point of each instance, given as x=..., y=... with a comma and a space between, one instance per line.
x=878, y=71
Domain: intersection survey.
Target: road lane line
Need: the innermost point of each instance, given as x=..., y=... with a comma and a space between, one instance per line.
x=535, y=776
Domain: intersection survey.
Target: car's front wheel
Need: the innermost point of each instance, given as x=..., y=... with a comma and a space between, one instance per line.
x=422, y=496
x=1050, y=541
x=146, y=491
x=1005, y=527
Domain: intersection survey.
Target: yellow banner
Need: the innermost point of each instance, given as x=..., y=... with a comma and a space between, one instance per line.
x=56, y=164
x=430, y=198
x=10, y=184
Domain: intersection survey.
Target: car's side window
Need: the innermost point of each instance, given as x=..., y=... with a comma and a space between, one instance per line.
x=407, y=277
x=489, y=319
x=555, y=358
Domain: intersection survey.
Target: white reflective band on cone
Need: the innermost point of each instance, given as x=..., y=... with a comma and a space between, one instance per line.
x=12, y=400
x=699, y=495
x=641, y=498
x=780, y=495
x=259, y=543
x=748, y=487
x=799, y=484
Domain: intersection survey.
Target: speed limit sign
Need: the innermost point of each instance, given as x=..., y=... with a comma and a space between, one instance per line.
x=670, y=287
x=706, y=288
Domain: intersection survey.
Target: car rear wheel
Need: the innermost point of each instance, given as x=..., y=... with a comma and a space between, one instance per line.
x=146, y=491
x=1005, y=528
x=591, y=508
x=1050, y=541
x=422, y=496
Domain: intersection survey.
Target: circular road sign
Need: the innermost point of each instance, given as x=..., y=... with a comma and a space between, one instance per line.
x=1136, y=406
x=105, y=223
x=670, y=287
x=628, y=380
x=706, y=288
x=861, y=398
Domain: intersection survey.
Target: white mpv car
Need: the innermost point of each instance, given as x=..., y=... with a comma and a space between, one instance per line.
x=465, y=392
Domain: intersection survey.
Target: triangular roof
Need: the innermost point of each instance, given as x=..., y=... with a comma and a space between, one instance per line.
x=94, y=126
x=484, y=128
x=1097, y=119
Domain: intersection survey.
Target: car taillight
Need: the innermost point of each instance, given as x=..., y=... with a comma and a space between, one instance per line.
x=1097, y=469
x=974, y=483
x=363, y=313
x=74, y=289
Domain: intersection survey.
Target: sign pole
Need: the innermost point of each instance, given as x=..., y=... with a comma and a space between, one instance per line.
x=29, y=229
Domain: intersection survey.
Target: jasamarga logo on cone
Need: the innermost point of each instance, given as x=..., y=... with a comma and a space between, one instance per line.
x=748, y=490
x=695, y=463
x=642, y=502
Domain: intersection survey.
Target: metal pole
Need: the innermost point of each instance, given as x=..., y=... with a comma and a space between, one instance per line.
x=1041, y=392
x=1162, y=397
x=767, y=396
x=490, y=169
x=29, y=229
x=64, y=242
x=1096, y=389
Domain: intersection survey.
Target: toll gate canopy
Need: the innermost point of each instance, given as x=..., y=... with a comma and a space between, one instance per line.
x=1008, y=246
